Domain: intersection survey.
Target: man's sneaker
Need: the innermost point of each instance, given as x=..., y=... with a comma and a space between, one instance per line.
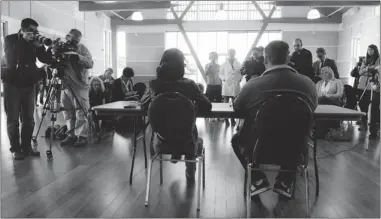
x=69, y=140
x=81, y=142
x=259, y=187
x=18, y=156
x=283, y=188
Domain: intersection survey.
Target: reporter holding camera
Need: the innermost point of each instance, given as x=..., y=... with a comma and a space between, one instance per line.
x=76, y=87
x=20, y=75
x=366, y=73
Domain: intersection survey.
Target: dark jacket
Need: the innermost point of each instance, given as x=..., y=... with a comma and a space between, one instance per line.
x=253, y=67
x=20, y=58
x=302, y=62
x=356, y=74
x=185, y=87
x=117, y=91
x=274, y=81
x=327, y=63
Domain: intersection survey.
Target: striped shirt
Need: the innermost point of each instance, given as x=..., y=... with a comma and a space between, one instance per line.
x=212, y=74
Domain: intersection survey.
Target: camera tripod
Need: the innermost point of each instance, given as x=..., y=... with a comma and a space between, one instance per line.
x=53, y=104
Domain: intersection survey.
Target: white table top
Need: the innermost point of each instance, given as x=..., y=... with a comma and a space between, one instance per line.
x=224, y=110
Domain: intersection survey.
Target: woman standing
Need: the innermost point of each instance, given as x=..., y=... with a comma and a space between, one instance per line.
x=367, y=69
x=231, y=77
x=213, y=81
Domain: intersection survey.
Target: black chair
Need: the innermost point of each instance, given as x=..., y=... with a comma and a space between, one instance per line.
x=282, y=125
x=172, y=117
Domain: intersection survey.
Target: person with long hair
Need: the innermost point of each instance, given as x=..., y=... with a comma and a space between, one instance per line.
x=170, y=78
x=96, y=96
x=367, y=70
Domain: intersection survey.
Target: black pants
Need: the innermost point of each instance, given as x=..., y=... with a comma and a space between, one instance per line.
x=364, y=104
x=213, y=92
x=257, y=175
x=375, y=113
x=19, y=104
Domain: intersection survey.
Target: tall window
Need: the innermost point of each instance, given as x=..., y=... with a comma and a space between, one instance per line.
x=121, y=52
x=235, y=10
x=107, y=48
x=355, y=54
x=206, y=42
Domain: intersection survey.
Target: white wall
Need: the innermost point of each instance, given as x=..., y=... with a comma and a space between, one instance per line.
x=365, y=25
x=57, y=18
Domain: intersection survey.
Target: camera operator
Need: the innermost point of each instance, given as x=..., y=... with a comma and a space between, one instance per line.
x=367, y=76
x=76, y=82
x=20, y=75
x=355, y=72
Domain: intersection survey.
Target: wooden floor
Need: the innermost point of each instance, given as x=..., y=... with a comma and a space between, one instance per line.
x=93, y=182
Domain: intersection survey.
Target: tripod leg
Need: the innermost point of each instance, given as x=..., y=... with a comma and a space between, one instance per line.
x=49, y=153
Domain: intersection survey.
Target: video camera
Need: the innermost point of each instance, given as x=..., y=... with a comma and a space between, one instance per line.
x=43, y=40
x=61, y=60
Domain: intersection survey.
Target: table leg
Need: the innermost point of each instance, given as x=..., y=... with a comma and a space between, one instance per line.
x=134, y=150
x=315, y=162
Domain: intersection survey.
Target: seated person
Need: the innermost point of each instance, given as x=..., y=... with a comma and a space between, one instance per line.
x=330, y=92
x=275, y=80
x=124, y=87
x=108, y=82
x=96, y=97
x=170, y=78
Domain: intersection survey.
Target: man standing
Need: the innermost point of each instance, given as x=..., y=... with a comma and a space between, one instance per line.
x=255, y=66
x=323, y=62
x=75, y=95
x=301, y=59
x=278, y=78
x=20, y=75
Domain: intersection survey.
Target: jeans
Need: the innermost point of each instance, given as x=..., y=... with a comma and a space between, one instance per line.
x=238, y=149
x=19, y=103
x=375, y=113
x=73, y=113
x=213, y=92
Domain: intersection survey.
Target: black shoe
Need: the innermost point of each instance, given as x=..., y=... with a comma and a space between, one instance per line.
x=81, y=142
x=283, y=188
x=18, y=156
x=29, y=151
x=259, y=186
x=69, y=140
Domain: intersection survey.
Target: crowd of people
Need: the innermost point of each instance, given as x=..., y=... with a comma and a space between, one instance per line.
x=268, y=72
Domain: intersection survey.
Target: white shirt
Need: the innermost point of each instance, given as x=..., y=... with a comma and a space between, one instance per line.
x=325, y=87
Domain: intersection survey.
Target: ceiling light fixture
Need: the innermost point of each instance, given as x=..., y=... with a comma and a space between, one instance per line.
x=313, y=14
x=221, y=13
x=137, y=16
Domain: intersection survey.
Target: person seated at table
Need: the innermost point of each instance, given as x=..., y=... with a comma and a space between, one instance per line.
x=278, y=78
x=330, y=92
x=96, y=96
x=123, y=86
x=108, y=82
x=170, y=78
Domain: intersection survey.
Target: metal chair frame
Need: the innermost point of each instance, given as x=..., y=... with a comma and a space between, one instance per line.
x=303, y=171
x=200, y=160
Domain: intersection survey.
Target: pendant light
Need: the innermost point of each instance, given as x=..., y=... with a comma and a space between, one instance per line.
x=137, y=16
x=313, y=14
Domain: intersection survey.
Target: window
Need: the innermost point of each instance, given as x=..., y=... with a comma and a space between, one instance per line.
x=107, y=49
x=235, y=10
x=4, y=30
x=121, y=52
x=355, y=54
x=377, y=11
x=206, y=42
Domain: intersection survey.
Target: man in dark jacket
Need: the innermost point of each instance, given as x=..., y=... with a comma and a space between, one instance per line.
x=301, y=59
x=278, y=77
x=19, y=76
x=254, y=66
x=323, y=62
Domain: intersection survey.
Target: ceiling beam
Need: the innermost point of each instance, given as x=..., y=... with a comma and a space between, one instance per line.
x=298, y=20
x=348, y=3
x=334, y=12
x=122, y=6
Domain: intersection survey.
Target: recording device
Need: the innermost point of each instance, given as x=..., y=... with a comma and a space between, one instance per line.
x=361, y=60
x=43, y=40
x=61, y=60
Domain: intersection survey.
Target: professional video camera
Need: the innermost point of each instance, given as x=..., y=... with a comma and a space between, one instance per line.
x=61, y=59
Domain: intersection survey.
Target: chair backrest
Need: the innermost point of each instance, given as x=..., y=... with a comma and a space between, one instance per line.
x=282, y=126
x=349, y=97
x=172, y=117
